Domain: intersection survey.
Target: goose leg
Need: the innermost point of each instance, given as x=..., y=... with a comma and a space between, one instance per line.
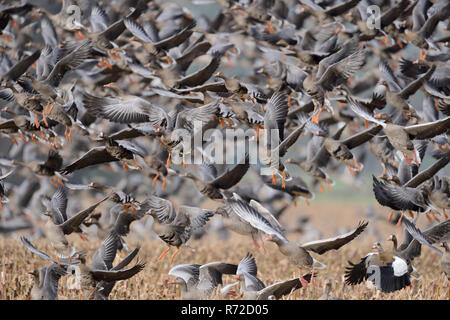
x=82, y=237
x=124, y=165
x=54, y=183
x=356, y=164
x=125, y=207
x=90, y=294
x=390, y=215
x=400, y=219
x=283, y=180
x=133, y=209
x=445, y=214
x=312, y=278
x=427, y=215
x=350, y=170
x=328, y=184
x=60, y=181
x=262, y=243
x=274, y=178
x=155, y=179
x=434, y=216
x=163, y=254
x=322, y=189
x=14, y=140
x=315, y=118
x=163, y=186
x=137, y=164
x=44, y=118
x=255, y=242
x=174, y=254
x=183, y=160
x=36, y=121
x=168, y=160
x=222, y=123
x=302, y=280
x=411, y=214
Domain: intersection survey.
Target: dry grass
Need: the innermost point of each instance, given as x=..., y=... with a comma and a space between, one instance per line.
x=272, y=265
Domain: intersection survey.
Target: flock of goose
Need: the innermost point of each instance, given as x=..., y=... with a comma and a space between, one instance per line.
x=106, y=85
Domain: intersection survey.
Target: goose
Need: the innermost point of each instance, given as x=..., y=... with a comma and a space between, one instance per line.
x=387, y=272
x=177, y=226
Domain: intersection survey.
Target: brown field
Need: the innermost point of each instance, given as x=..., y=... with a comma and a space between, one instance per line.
x=272, y=265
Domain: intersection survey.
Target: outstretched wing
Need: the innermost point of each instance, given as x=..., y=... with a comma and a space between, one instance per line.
x=322, y=246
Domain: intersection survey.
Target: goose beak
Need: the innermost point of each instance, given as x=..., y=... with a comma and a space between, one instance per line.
x=269, y=238
x=108, y=85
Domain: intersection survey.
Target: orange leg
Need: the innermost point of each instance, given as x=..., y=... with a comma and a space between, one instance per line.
x=137, y=164
x=14, y=140
x=350, y=170
x=59, y=181
x=164, y=254
x=435, y=217
x=445, y=214
x=133, y=209
x=82, y=237
x=54, y=183
x=427, y=215
x=262, y=243
x=36, y=121
x=163, y=186
x=390, y=215
x=44, y=118
x=366, y=124
x=174, y=254
x=302, y=280
x=328, y=184
x=124, y=165
x=255, y=243
x=21, y=136
x=230, y=124
x=184, y=162
x=322, y=189
x=357, y=165
x=155, y=179
x=168, y=160
x=411, y=214
x=289, y=101
x=274, y=178
x=400, y=219
x=283, y=180
x=307, y=202
x=222, y=123
x=79, y=36
x=49, y=111
x=315, y=118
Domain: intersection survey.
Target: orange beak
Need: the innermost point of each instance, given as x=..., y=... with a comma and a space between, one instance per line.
x=269, y=238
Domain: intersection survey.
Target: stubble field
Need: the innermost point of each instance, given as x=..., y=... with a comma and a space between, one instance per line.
x=151, y=283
